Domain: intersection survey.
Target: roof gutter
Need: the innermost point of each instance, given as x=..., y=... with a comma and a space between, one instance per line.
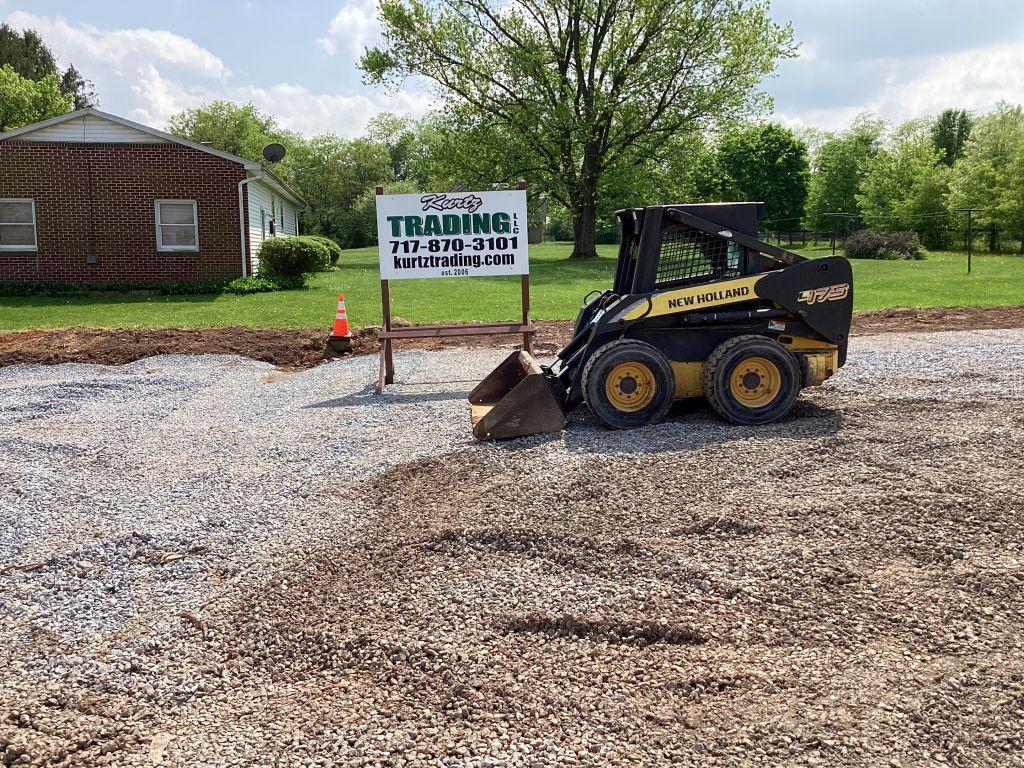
x=283, y=187
x=243, y=219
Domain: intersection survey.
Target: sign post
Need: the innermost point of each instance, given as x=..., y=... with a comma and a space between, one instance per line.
x=451, y=235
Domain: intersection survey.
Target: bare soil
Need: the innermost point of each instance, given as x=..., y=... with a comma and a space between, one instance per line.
x=306, y=347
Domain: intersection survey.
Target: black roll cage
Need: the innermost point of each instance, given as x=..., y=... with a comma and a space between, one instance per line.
x=642, y=230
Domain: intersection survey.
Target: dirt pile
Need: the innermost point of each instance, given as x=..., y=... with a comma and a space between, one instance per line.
x=303, y=348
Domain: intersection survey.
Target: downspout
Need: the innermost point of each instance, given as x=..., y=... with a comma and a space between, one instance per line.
x=243, y=220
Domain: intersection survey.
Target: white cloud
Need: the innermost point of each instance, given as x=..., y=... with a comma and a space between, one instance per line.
x=925, y=85
x=149, y=75
x=825, y=119
x=974, y=79
x=352, y=29
x=121, y=50
x=156, y=97
x=299, y=109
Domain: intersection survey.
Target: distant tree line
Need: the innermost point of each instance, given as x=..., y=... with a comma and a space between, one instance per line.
x=590, y=139
x=909, y=177
x=917, y=176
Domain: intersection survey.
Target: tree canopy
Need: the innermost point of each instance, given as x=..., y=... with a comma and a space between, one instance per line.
x=240, y=129
x=81, y=91
x=24, y=101
x=950, y=133
x=904, y=186
x=331, y=173
x=28, y=55
x=838, y=169
x=990, y=175
x=583, y=86
x=890, y=178
x=767, y=163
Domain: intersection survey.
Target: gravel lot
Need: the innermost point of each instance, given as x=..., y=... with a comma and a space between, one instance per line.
x=207, y=561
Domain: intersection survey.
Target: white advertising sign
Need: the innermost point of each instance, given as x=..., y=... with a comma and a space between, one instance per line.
x=452, y=234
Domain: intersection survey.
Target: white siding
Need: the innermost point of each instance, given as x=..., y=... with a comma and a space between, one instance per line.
x=291, y=219
x=263, y=198
x=90, y=128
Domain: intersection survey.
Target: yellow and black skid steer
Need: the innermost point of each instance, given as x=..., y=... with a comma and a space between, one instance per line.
x=700, y=307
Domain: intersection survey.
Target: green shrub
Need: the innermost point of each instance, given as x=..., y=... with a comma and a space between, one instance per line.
x=333, y=249
x=559, y=227
x=186, y=287
x=292, y=257
x=52, y=288
x=879, y=244
x=238, y=286
x=22, y=288
x=243, y=286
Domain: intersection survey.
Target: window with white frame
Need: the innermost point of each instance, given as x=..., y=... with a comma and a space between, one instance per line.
x=17, y=224
x=177, y=225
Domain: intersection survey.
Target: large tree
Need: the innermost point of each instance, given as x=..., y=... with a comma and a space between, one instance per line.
x=26, y=53
x=950, y=133
x=399, y=135
x=240, y=129
x=766, y=163
x=81, y=91
x=331, y=173
x=989, y=175
x=837, y=170
x=905, y=185
x=30, y=57
x=584, y=86
x=24, y=101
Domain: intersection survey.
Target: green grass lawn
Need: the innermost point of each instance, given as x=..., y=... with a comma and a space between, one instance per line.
x=557, y=287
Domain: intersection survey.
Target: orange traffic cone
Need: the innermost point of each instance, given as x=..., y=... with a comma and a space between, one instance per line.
x=340, y=339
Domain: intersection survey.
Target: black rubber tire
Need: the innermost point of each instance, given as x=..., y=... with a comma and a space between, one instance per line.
x=718, y=369
x=601, y=364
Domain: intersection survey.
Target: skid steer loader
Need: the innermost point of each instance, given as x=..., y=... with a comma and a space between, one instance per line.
x=699, y=308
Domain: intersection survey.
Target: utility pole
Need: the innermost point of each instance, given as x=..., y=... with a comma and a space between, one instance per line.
x=834, y=218
x=970, y=232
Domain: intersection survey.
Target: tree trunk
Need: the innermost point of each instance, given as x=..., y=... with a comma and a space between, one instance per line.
x=584, y=223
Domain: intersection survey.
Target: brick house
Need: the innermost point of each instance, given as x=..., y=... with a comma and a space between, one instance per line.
x=89, y=197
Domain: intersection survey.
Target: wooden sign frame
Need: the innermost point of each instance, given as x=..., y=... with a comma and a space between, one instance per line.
x=389, y=334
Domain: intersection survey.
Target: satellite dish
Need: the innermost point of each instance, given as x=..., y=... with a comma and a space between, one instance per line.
x=274, y=153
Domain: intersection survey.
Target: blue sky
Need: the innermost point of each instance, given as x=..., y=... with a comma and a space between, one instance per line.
x=897, y=58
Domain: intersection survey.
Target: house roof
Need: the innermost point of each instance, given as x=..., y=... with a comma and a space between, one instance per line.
x=249, y=165
x=278, y=183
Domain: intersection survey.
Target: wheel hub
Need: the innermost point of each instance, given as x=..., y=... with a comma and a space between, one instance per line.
x=755, y=382
x=630, y=387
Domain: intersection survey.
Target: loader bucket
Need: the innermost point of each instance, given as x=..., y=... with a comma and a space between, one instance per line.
x=515, y=400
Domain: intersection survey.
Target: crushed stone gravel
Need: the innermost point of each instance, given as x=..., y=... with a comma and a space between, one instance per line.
x=209, y=561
